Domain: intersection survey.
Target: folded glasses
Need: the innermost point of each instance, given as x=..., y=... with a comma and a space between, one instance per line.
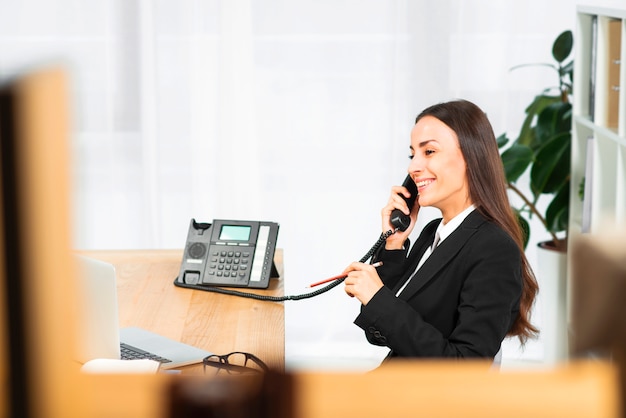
x=236, y=362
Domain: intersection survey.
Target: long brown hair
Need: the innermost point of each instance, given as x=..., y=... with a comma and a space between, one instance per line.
x=488, y=190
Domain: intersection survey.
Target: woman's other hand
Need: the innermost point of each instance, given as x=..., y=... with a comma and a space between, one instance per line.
x=362, y=281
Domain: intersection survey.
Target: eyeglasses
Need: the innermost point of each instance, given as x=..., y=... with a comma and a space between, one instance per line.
x=236, y=362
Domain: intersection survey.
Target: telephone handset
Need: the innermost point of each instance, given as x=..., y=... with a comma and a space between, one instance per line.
x=229, y=253
x=399, y=219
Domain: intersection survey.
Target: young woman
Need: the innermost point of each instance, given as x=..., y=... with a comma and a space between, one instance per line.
x=466, y=283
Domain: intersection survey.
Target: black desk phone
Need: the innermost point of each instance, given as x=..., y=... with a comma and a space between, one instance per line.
x=241, y=254
x=229, y=253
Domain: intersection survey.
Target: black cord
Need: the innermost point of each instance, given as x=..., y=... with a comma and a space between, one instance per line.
x=266, y=298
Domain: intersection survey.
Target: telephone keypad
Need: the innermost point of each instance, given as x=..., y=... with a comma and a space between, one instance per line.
x=229, y=263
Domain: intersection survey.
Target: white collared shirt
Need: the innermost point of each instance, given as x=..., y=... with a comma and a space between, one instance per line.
x=443, y=231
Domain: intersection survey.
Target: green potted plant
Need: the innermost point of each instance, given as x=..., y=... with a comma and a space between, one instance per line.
x=543, y=147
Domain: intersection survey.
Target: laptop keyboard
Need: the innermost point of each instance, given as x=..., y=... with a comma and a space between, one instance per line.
x=128, y=352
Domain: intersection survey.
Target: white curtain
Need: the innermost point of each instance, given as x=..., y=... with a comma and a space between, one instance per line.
x=296, y=111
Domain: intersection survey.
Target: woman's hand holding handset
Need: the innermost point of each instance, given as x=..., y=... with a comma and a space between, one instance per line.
x=362, y=280
x=398, y=200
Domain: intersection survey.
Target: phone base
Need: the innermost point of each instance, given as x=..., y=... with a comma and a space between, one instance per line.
x=229, y=253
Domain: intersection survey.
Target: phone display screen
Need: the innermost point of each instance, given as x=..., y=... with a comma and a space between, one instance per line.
x=235, y=233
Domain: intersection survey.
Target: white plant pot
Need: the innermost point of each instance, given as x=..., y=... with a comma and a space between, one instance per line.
x=552, y=278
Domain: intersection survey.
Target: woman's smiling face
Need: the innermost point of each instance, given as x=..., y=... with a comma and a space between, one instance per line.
x=438, y=167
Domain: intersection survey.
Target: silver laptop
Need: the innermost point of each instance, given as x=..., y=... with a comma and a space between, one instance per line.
x=99, y=334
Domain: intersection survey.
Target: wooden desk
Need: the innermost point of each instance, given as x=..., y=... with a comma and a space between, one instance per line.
x=211, y=321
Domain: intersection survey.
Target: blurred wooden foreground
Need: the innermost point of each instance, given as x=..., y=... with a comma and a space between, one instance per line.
x=427, y=389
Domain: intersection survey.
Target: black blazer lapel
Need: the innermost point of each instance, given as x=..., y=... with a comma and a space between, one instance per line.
x=424, y=240
x=443, y=254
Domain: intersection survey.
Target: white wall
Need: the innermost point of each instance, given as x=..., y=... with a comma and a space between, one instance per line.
x=297, y=112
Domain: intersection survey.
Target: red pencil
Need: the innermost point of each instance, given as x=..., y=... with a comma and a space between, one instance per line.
x=341, y=276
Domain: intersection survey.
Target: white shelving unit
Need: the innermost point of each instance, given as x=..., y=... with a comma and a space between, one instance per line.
x=599, y=122
x=599, y=117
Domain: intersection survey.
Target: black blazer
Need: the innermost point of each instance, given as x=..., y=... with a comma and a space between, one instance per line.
x=461, y=303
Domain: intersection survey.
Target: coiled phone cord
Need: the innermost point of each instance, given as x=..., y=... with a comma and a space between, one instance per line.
x=383, y=237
